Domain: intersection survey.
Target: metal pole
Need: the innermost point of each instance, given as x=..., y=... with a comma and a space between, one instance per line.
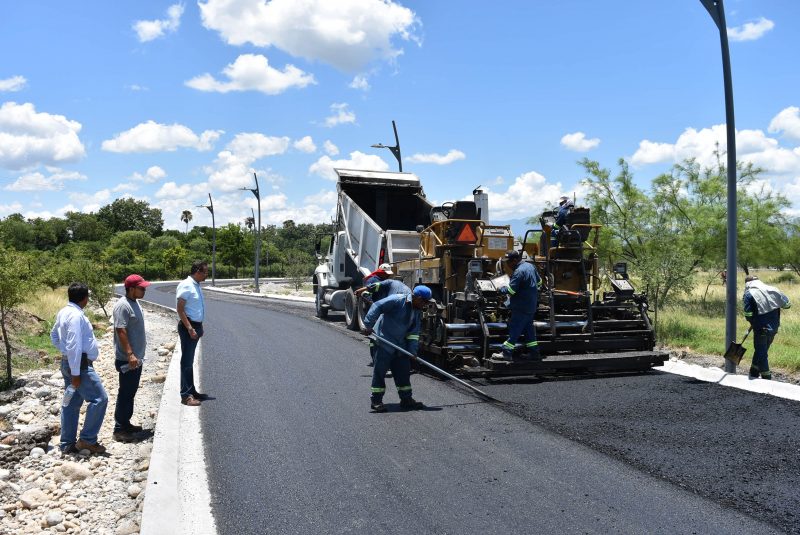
x=210, y=207
x=716, y=9
x=255, y=257
x=258, y=233
x=432, y=367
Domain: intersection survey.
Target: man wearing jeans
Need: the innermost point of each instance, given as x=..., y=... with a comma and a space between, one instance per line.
x=191, y=310
x=130, y=342
x=73, y=336
x=762, y=309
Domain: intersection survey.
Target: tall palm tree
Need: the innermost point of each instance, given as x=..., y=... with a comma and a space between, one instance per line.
x=249, y=222
x=186, y=216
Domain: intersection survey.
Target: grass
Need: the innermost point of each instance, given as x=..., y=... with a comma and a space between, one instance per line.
x=701, y=328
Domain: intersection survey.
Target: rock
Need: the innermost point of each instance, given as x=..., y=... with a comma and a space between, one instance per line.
x=127, y=528
x=33, y=498
x=70, y=508
x=31, y=405
x=5, y=410
x=144, y=465
x=55, y=409
x=9, y=439
x=75, y=471
x=138, y=477
x=42, y=392
x=53, y=518
x=4, y=474
x=25, y=418
x=158, y=378
x=37, y=452
x=134, y=490
x=162, y=351
x=170, y=346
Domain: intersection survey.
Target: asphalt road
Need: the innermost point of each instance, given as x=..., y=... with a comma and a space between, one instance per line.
x=293, y=448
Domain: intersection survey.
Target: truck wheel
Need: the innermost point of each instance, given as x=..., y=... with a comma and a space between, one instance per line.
x=322, y=312
x=363, y=308
x=351, y=310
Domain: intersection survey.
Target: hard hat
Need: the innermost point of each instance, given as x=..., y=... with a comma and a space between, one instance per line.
x=563, y=199
x=423, y=292
x=386, y=268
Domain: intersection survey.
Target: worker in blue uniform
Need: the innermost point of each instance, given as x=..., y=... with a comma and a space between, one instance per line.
x=565, y=206
x=762, y=308
x=400, y=325
x=377, y=290
x=523, y=292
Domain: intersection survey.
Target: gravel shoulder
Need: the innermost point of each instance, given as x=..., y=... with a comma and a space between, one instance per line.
x=42, y=490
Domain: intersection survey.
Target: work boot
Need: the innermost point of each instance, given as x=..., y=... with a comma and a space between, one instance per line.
x=531, y=354
x=753, y=373
x=93, y=448
x=377, y=406
x=505, y=355
x=410, y=404
x=767, y=375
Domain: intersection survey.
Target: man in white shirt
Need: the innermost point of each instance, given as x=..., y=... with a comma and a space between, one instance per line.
x=73, y=336
x=191, y=312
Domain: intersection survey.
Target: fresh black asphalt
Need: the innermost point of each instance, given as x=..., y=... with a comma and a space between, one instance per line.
x=292, y=447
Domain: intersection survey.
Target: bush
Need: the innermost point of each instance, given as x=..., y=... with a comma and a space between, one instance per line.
x=787, y=277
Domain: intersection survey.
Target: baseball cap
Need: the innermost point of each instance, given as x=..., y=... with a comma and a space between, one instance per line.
x=136, y=281
x=422, y=291
x=386, y=268
x=513, y=255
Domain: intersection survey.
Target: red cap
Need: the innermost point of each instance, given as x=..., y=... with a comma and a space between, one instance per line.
x=136, y=281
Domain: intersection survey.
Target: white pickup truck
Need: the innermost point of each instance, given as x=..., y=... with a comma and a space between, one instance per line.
x=377, y=220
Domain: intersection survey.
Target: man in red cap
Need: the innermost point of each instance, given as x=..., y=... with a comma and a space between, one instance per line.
x=130, y=341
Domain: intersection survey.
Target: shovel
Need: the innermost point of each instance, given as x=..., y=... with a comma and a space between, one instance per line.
x=735, y=351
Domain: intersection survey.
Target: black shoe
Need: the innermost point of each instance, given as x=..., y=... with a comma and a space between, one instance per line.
x=411, y=404
x=124, y=435
x=377, y=406
x=531, y=355
x=753, y=373
x=134, y=428
x=201, y=397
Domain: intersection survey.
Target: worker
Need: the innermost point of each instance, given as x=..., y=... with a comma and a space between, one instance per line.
x=375, y=292
x=523, y=292
x=565, y=206
x=401, y=326
x=383, y=273
x=762, y=309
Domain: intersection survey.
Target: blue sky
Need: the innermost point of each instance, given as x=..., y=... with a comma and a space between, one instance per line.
x=167, y=101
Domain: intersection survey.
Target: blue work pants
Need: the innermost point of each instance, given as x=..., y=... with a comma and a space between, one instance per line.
x=762, y=340
x=92, y=392
x=520, y=323
x=387, y=359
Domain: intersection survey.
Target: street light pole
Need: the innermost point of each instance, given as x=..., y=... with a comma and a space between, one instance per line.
x=210, y=207
x=395, y=150
x=257, y=193
x=717, y=12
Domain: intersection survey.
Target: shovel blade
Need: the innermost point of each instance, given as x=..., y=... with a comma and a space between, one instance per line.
x=735, y=353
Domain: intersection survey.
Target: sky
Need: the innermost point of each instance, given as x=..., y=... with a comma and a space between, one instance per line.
x=170, y=101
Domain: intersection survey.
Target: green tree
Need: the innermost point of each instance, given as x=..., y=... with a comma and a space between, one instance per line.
x=17, y=233
x=131, y=214
x=86, y=227
x=175, y=260
x=186, y=216
x=17, y=283
x=99, y=281
x=232, y=246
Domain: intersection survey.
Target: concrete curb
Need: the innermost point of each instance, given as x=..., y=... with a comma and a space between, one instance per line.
x=278, y=297
x=742, y=382
x=177, y=499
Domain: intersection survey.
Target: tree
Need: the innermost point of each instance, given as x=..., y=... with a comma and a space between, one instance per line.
x=98, y=280
x=86, y=227
x=17, y=283
x=232, y=246
x=174, y=259
x=16, y=232
x=186, y=216
x=130, y=214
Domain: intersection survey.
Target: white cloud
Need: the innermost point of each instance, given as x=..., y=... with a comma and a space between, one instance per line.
x=29, y=138
x=91, y=202
x=323, y=198
x=155, y=137
x=15, y=83
x=36, y=181
x=137, y=87
x=305, y=144
x=787, y=121
x=330, y=148
x=341, y=115
x=171, y=190
x=325, y=166
x=750, y=31
x=232, y=169
x=252, y=72
x=152, y=175
x=347, y=34
x=577, y=142
x=360, y=82
x=651, y=152
x=13, y=208
x=438, y=159
x=527, y=196
x=125, y=186
x=147, y=30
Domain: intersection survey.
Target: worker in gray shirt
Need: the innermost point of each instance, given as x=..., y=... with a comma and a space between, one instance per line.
x=130, y=342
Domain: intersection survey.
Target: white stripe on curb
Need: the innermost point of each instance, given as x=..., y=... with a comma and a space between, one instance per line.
x=742, y=382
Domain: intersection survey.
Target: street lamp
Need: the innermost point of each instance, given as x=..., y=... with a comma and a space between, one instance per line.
x=210, y=207
x=717, y=12
x=257, y=193
x=395, y=150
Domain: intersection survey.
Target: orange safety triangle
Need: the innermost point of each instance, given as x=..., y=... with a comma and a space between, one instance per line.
x=466, y=235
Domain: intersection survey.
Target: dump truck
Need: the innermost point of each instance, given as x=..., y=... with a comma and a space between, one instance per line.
x=579, y=328
x=378, y=218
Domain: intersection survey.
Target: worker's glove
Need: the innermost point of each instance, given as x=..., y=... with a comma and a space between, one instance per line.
x=367, y=331
x=504, y=290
